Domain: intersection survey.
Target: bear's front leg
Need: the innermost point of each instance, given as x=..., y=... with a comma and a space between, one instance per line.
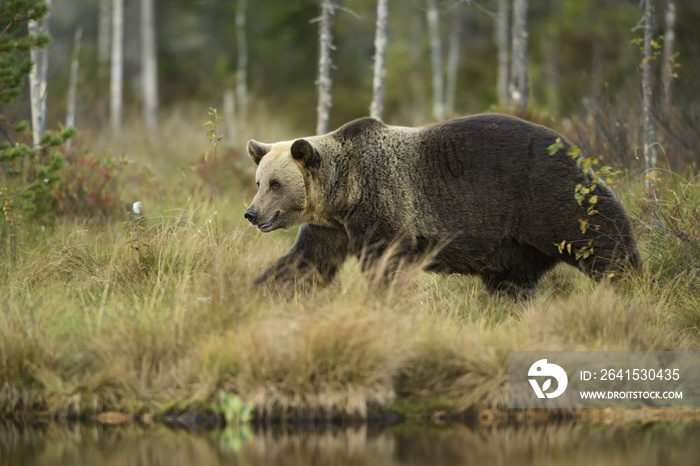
x=315, y=258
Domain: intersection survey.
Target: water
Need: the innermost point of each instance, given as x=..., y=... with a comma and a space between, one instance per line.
x=562, y=444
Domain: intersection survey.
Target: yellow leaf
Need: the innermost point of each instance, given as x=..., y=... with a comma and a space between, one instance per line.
x=207, y=124
x=206, y=153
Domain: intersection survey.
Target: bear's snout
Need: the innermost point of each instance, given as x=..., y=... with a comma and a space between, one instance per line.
x=252, y=216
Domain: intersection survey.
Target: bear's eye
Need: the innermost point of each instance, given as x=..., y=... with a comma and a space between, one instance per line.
x=274, y=184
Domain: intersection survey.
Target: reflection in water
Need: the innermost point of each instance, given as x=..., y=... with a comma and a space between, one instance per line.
x=570, y=444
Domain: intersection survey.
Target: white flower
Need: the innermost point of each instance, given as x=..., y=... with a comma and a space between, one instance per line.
x=137, y=207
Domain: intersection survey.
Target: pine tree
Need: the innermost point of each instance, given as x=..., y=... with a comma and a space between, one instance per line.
x=25, y=182
x=15, y=64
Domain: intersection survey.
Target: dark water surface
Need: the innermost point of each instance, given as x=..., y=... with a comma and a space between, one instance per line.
x=562, y=444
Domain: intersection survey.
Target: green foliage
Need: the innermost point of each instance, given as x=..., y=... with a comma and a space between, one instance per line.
x=234, y=410
x=28, y=174
x=212, y=135
x=656, y=49
x=14, y=45
x=675, y=212
x=605, y=175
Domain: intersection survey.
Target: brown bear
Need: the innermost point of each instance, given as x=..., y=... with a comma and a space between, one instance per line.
x=474, y=195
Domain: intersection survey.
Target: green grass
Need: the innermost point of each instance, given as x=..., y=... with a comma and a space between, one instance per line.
x=93, y=320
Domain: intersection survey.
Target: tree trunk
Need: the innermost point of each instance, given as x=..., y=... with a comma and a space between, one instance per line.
x=668, y=69
x=436, y=58
x=503, y=55
x=453, y=64
x=38, y=80
x=117, y=75
x=73, y=84
x=380, y=42
x=647, y=96
x=324, y=66
x=149, y=66
x=103, y=31
x=519, y=81
x=230, y=114
x=242, y=63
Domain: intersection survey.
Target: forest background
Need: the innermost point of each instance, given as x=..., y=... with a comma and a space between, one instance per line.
x=582, y=62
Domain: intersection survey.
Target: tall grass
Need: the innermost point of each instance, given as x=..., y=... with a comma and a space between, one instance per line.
x=102, y=315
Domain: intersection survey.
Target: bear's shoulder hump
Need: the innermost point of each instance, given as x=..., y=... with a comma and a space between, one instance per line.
x=359, y=128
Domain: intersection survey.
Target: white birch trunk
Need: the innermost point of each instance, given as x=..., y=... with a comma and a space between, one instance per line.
x=647, y=96
x=38, y=80
x=668, y=71
x=103, y=32
x=503, y=52
x=376, y=110
x=73, y=83
x=230, y=114
x=453, y=64
x=519, y=79
x=324, y=66
x=242, y=63
x=117, y=66
x=436, y=59
x=149, y=66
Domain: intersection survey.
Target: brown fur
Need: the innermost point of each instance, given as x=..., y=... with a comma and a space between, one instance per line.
x=479, y=194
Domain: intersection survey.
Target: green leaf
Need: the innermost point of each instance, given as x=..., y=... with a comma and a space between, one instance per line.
x=554, y=148
x=573, y=152
x=583, y=224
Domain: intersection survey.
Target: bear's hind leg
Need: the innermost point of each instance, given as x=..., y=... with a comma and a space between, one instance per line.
x=506, y=284
x=519, y=281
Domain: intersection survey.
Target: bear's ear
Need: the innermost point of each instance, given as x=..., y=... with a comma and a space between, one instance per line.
x=257, y=150
x=304, y=151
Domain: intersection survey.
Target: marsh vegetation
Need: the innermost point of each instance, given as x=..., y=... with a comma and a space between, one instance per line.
x=151, y=314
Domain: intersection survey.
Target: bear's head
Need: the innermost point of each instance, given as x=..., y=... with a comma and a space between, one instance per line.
x=282, y=200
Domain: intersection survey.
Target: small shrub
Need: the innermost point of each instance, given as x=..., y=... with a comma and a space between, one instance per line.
x=90, y=187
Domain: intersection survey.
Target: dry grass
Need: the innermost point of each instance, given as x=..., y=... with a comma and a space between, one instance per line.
x=92, y=320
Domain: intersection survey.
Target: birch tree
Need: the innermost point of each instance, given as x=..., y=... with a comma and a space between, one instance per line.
x=103, y=32
x=519, y=78
x=380, y=43
x=647, y=85
x=433, y=18
x=117, y=66
x=669, y=64
x=453, y=64
x=242, y=62
x=149, y=66
x=38, y=85
x=324, y=66
x=503, y=52
x=73, y=83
